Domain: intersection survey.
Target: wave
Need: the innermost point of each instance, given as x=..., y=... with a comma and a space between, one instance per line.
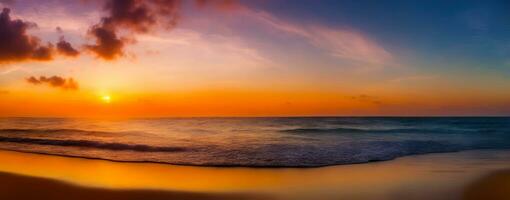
x=93, y=144
x=358, y=130
x=297, y=147
x=271, y=155
x=14, y=130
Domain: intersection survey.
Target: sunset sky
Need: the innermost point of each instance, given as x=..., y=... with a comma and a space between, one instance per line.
x=133, y=58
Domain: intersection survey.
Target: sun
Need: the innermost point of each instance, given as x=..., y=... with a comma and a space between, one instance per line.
x=106, y=98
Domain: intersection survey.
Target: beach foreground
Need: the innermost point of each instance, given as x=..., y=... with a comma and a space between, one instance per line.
x=24, y=187
x=461, y=175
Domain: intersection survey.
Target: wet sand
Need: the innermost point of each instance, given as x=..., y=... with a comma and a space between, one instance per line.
x=461, y=175
x=25, y=187
x=494, y=186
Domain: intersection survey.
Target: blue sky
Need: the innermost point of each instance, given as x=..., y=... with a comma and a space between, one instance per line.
x=470, y=32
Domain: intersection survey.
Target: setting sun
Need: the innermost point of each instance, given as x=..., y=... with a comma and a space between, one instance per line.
x=106, y=98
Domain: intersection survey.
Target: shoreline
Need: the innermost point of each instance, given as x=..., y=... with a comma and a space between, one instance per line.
x=252, y=166
x=445, y=175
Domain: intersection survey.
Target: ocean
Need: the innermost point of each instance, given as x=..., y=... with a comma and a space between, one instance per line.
x=254, y=142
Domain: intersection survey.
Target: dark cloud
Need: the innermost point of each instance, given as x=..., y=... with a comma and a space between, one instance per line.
x=59, y=30
x=65, y=48
x=132, y=14
x=129, y=17
x=135, y=16
x=16, y=44
x=54, y=81
x=44, y=52
x=138, y=17
x=108, y=45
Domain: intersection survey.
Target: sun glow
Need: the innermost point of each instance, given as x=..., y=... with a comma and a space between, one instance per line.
x=106, y=98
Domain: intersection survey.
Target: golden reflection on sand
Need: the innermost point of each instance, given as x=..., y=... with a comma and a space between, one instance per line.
x=435, y=171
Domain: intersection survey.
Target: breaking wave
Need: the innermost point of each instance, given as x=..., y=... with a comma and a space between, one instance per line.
x=92, y=144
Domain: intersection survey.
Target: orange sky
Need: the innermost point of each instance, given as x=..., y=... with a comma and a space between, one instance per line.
x=216, y=102
x=224, y=58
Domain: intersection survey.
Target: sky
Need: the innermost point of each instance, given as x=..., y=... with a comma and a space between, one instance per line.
x=181, y=58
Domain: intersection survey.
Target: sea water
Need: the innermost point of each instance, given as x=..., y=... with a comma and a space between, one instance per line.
x=253, y=142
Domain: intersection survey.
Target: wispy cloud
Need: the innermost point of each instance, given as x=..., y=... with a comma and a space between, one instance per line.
x=211, y=46
x=124, y=21
x=342, y=43
x=414, y=78
x=9, y=70
x=57, y=13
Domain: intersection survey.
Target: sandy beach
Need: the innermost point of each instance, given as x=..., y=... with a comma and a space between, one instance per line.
x=24, y=187
x=461, y=175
